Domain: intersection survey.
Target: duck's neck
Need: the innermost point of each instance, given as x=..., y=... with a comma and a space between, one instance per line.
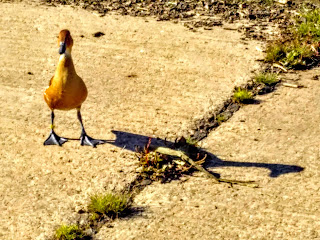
x=65, y=62
x=65, y=69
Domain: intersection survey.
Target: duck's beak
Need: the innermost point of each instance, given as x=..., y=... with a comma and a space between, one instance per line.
x=62, y=48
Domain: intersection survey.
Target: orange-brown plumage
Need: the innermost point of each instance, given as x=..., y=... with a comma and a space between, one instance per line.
x=66, y=89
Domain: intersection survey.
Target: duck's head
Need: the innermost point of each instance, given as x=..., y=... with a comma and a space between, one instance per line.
x=65, y=41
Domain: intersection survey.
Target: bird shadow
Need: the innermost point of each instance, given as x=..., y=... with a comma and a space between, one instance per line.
x=130, y=141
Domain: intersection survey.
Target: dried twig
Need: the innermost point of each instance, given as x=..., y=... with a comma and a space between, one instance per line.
x=183, y=156
x=292, y=85
x=280, y=66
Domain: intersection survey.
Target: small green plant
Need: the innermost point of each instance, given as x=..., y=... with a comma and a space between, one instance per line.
x=220, y=118
x=242, y=95
x=267, y=78
x=108, y=204
x=191, y=141
x=275, y=52
x=308, y=24
x=297, y=55
x=69, y=232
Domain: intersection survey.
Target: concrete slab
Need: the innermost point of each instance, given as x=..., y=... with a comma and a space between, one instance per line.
x=144, y=77
x=277, y=144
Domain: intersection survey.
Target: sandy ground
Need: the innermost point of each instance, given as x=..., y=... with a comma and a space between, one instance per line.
x=266, y=143
x=145, y=78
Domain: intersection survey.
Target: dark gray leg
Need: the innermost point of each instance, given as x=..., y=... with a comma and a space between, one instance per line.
x=84, y=138
x=53, y=138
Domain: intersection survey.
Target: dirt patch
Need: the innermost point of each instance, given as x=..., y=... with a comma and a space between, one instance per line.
x=260, y=20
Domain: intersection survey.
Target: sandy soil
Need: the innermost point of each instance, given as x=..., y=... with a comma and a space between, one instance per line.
x=266, y=143
x=145, y=78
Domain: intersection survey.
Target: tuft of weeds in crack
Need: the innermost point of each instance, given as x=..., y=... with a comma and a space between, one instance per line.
x=109, y=205
x=102, y=208
x=69, y=232
x=267, y=78
x=242, y=95
x=220, y=118
x=165, y=168
x=190, y=141
x=266, y=82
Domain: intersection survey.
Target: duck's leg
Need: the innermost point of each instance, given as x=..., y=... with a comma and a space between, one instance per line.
x=53, y=138
x=84, y=138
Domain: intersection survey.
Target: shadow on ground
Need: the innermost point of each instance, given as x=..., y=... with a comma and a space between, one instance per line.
x=130, y=141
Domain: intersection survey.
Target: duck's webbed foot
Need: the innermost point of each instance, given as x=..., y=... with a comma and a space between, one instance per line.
x=54, y=139
x=89, y=141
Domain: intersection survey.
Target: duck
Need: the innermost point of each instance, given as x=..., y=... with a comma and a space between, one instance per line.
x=66, y=91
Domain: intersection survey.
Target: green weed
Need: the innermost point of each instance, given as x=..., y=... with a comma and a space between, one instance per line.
x=69, y=232
x=275, y=52
x=267, y=78
x=108, y=204
x=220, y=118
x=242, y=95
x=308, y=24
x=191, y=141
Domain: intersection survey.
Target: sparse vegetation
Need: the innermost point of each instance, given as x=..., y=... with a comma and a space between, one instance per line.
x=220, y=118
x=162, y=167
x=267, y=78
x=300, y=49
x=290, y=54
x=108, y=204
x=242, y=95
x=69, y=232
x=308, y=24
x=159, y=167
x=191, y=141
